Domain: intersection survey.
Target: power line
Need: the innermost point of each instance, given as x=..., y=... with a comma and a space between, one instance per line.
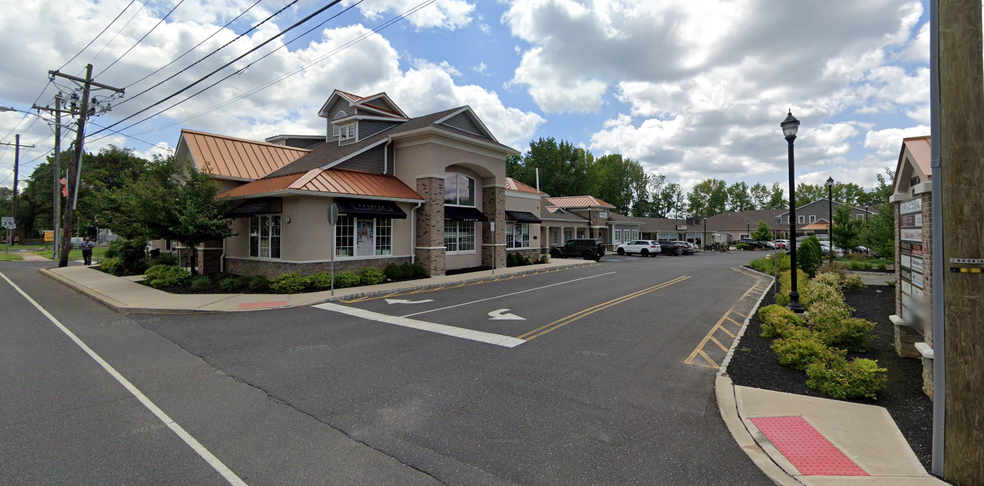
x=159, y=22
x=97, y=35
x=376, y=30
x=142, y=6
x=296, y=24
x=196, y=47
x=207, y=56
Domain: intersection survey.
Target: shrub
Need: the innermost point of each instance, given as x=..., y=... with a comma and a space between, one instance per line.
x=162, y=276
x=418, y=271
x=741, y=246
x=201, y=283
x=847, y=333
x=810, y=256
x=854, y=282
x=346, y=279
x=371, y=276
x=801, y=348
x=320, y=281
x=131, y=255
x=109, y=265
x=786, y=285
x=823, y=295
x=288, y=283
x=258, y=283
x=544, y=258
x=882, y=266
x=232, y=283
x=162, y=260
x=394, y=271
x=511, y=260
x=778, y=321
x=763, y=265
x=841, y=379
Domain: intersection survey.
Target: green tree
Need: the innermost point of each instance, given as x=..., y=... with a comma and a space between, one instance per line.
x=708, y=198
x=563, y=168
x=760, y=196
x=619, y=181
x=809, y=256
x=777, y=198
x=807, y=193
x=762, y=232
x=847, y=228
x=739, y=197
x=168, y=201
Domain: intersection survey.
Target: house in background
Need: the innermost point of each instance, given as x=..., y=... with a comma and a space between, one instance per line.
x=425, y=190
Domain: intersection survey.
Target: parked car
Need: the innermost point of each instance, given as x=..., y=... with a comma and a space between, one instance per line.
x=642, y=247
x=749, y=243
x=782, y=244
x=587, y=248
x=825, y=249
x=672, y=247
x=694, y=247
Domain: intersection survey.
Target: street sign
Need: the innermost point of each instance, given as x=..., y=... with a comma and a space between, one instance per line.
x=332, y=214
x=8, y=223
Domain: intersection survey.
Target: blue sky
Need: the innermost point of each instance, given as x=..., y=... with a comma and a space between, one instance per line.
x=692, y=89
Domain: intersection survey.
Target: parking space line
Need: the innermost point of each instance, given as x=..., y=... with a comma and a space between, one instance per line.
x=709, y=360
x=458, y=332
x=723, y=347
x=591, y=310
x=699, y=350
x=446, y=286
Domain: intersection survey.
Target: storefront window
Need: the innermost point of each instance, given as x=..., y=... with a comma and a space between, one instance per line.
x=264, y=236
x=459, y=236
x=517, y=235
x=359, y=237
x=459, y=190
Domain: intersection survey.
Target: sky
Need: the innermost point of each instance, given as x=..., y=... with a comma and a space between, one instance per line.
x=692, y=89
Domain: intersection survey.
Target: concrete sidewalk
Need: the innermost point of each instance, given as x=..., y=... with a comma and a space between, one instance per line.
x=125, y=295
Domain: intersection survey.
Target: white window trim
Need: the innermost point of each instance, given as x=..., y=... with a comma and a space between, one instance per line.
x=465, y=252
x=355, y=244
x=800, y=219
x=813, y=218
x=618, y=236
x=474, y=184
x=249, y=242
x=529, y=233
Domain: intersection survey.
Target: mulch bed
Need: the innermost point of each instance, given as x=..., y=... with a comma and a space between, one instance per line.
x=754, y=364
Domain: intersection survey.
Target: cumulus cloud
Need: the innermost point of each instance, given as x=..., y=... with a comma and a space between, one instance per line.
x=888, y=142
x=445, y=14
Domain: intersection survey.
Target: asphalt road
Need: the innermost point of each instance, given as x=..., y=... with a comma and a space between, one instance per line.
x=595, y=384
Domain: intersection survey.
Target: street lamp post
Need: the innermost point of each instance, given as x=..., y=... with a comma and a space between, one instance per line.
x=789, y=128
x=830, y=214
x=748, y=228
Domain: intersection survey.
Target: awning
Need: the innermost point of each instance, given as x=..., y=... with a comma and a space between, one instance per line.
x=368, y=207
x=253, y=207
x=459, y=213
x=523, y=217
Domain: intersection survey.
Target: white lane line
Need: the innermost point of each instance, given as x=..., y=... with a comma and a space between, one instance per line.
x=482, y=337
x=508, y=295
x=163, y=417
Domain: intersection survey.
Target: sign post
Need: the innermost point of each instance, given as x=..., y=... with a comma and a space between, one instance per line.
x=493, y=247
x=332, y=219
x=9, y=225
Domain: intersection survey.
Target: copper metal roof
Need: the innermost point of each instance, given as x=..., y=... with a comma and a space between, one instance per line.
x=578, y=202
x=331, y=181
x=237, y=158
x=921, y=150
x=822, y=224
x=514, y=185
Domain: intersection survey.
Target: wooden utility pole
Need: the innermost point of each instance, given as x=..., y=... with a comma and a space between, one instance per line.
x=75, y=167
x=961, y=134
x=56, y=171
x=17, y=146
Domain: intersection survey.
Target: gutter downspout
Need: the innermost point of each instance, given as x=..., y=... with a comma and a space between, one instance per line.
x=413, y=234
x=386, y=156
x=222, y=257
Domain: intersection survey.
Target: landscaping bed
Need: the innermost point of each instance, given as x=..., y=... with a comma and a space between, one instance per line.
x=754, y=364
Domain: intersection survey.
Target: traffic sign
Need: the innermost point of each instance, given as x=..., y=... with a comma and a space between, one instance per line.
x=8, y=222
x=332, y=214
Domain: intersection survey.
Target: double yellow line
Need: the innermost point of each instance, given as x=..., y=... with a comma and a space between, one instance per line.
x=591, y=310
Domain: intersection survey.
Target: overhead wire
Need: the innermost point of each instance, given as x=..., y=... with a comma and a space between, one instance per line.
x=244, y=12
x=142, y=6
x=375, y=30
x=152, y=29
x=254, y=49
x=98, y=35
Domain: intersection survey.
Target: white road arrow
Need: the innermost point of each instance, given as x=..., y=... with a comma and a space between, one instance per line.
x=503, y=315
x=403, y=301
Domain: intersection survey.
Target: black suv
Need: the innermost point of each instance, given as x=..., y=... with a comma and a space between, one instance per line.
x=749, y=243
x=587, y=248
x=675, y=248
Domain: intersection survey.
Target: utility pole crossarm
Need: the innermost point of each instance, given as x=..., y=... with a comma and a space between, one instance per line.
x=85, y=81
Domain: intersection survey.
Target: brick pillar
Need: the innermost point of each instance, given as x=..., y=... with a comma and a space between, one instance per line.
x=430, y=226
x=494, y=208
x=210, y=257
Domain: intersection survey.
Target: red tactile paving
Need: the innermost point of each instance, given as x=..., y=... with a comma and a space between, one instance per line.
x=254, y=305
x=808, y=450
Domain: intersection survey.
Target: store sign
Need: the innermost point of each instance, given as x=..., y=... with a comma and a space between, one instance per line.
x=603, y=215
x=910, y=220
x=911, y=234
x=681, y=227
x=911, y=206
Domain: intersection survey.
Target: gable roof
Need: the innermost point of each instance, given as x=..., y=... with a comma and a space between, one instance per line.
x=514, y=185
x=363, y=102
x=235, y=158
x=920, y=151
x=328, y=154
x=331, y=182
x=578, y=202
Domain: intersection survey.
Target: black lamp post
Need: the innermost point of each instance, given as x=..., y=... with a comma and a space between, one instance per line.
x=748, y=228
x=789, y=128
x=830, y=214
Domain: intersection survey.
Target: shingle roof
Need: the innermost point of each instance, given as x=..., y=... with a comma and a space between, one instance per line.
x=327, y=153
x=551, y=213
x=578, y=202
x=237, y=158
x=331, y=181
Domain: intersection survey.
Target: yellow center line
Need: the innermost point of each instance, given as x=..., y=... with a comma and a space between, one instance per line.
x=591, y=310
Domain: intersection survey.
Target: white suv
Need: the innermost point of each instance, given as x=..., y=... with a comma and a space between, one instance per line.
x=642, y=247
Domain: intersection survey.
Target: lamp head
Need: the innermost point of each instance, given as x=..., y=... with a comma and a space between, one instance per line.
x=790, y=126
x=830, y=182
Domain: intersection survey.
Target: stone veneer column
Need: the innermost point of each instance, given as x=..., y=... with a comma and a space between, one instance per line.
x=494, y=208
x=430, y=251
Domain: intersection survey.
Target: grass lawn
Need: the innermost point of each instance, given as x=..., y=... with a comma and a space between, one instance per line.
x=10, y=257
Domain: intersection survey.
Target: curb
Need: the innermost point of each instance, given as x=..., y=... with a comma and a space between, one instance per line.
x=125, y=309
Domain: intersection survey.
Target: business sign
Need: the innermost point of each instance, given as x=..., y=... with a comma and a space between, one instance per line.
x=603, y=214
x=911, y=234
x=913, y=249
x=49, y=235
x=917, y=265
x=681, y=227
x=910, y=220
x=911, y=206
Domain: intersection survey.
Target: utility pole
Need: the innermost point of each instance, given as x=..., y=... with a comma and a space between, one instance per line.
x=17, y=146
x=56, y=173
x=74, y=170
x=961, y=178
